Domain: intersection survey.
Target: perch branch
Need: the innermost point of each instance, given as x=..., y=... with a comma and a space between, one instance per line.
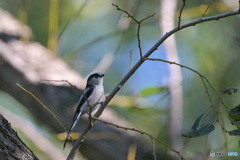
x=135, y=67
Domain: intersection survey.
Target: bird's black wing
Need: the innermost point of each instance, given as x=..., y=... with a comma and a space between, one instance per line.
x=87, y=92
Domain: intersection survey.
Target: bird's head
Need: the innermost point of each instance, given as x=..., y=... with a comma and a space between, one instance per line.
x=95, y=79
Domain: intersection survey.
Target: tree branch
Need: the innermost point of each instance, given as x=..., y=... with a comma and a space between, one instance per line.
x=207, y=8
x=139, y=26
x=137, y=65
x=19, y=65
x=141, y=132
x=205, y=86
x=11, y=145
x=180, y=14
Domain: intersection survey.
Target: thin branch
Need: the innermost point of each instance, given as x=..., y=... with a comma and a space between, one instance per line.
x=209, y=97
x=128, y=15
x=139, y=26
x=147, y=17
x=153, y=59
x=202, y=78
x=208, y=8
x=43, y=106
x=131, y=59
x=141, y=132
x=138, y=34
x=135, y=67
x=212, y=105
x=73, y=86
x=239, y=7
x=180, y=14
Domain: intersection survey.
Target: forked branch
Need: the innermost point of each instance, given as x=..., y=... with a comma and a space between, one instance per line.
x=137, y=65
x=180, y=14
x=139, y=26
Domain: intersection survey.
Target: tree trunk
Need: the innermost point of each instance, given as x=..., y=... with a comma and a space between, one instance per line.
x=11, y=146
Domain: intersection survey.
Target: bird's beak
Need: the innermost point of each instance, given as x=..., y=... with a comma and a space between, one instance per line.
x=103, y=75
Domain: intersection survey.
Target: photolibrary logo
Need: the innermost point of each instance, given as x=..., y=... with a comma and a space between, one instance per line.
x=213, y=154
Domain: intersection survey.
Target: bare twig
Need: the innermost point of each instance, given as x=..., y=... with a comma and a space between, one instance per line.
x=131, y=59
x=136, y=66
x=216, y=112
x=43, y=106
x=208, y=8
x=202, y=78
x=139, y=26
x=128, y=15
x=141, y=132
x=73, y=86
x=209, y=97
x=239, y=7
x=180, y=14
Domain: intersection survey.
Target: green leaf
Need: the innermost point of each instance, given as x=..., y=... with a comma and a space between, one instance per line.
x=234, y=113
x=146, y=92
x=205, y=130
x=234, y=132
x=196, y=123
x=192, y=131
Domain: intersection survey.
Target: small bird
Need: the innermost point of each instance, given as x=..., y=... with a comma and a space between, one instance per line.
x=93, y=92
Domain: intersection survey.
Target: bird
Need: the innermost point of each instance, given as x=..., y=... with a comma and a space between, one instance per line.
x=92, y=96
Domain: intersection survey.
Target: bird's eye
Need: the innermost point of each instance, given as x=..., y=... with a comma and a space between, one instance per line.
x=96, y=76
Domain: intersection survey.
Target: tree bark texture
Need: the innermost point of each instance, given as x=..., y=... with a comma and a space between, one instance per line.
x=11, y=146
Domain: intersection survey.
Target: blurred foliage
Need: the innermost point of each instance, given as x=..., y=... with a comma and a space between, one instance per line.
x=212, y=48
x=146, y=92
x=197, y=131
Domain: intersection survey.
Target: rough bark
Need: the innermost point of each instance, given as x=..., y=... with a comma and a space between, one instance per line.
x=11, y=146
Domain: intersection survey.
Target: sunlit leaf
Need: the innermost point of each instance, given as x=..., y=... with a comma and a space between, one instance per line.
x=146, y=92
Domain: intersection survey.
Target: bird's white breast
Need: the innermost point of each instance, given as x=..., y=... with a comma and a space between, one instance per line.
x=94, y=99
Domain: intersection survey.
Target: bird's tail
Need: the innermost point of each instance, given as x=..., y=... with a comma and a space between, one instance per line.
x=72, y=127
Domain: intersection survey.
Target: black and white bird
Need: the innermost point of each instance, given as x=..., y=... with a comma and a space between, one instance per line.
x=94, y=93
